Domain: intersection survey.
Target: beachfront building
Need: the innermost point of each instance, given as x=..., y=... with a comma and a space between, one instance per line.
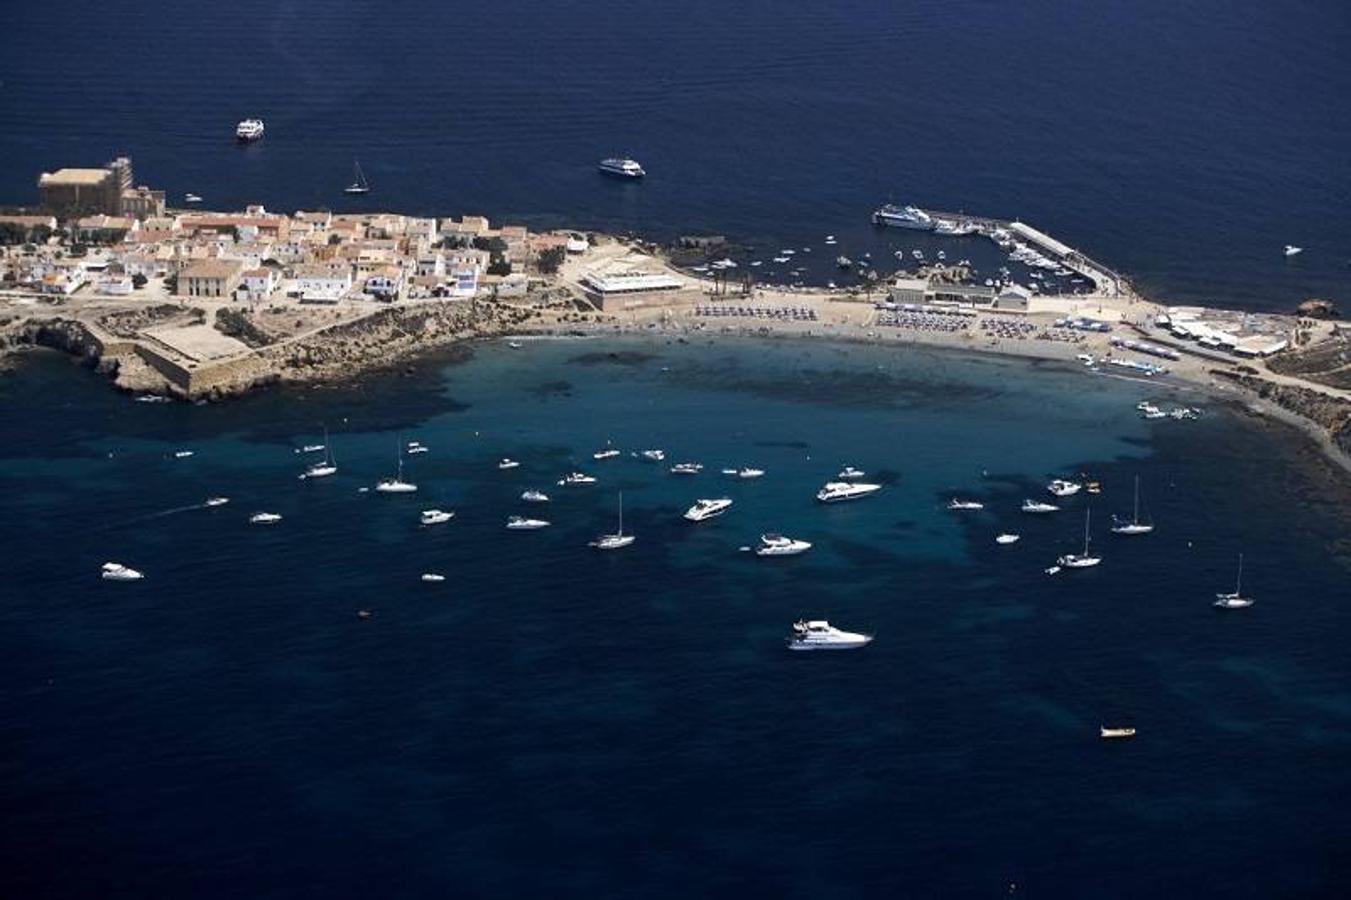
x=1012, y=299
x=909, y=290
x=215, y=278
x=630, y=290
x=963, y=295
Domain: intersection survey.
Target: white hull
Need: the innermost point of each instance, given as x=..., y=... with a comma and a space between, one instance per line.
x=612, y=541
x=395, y=487
x=842, y=491
x=702, y=512
x=1132, y=529
x=852, y=643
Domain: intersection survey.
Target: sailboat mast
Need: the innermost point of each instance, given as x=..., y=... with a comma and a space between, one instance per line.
x=1238, y=587
x=1137, y=500
x=1087, y=513
x=621, y=513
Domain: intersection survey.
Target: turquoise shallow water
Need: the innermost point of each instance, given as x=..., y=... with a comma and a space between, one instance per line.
x=551, y=720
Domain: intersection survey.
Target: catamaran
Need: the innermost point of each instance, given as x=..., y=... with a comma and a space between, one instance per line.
x=619, y=538
x=1080, y=560
x=1236, y=600
x=1134, y=526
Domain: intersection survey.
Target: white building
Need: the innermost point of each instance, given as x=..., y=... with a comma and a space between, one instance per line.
x=322, y=284
x=258, y=284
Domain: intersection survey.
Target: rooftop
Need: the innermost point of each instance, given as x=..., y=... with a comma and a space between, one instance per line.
x=76, y=177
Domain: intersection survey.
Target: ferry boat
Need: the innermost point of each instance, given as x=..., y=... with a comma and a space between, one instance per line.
x=621, y=167
x=1036, y=506
x=535, y=497
x=577, y=478
x=112, y=571
x=687, y=468
x=955, y=503
x=912, y=217
x=264, y=518
x=250, y=130
x=819, y=634
x=837, y=491
x=521, y=523
x=1115, y=734
x=778, y=545
x=708, y=509
x=435, y=516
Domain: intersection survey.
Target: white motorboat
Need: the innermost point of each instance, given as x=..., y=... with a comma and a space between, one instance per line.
x=1115, y=734
x=182, y=454
x=958, y=504
x=433, y=577
x=217, y=501
x=535, y=497
x=849, y=473
x=1134, y=526
x=617, y=540
x=505, y=464
x=1037, y=507
x=414, y=447
x=515, y=345
x=1006, y=538
x=577, y=478
x=1062, y=488
x=1235, y=600
x=1052, y=570
x=837, y=491
x=521, y=523
x=708, y=509
x=779, y=545
x=749, y=472
x=191, y=198
x=396, y=485
x=653, y=455
x=819, y=634
x=607, y=453
x=264, y=518
x=112, y=571
x=250, y=130
x=1082, y=560
x=325, y=467
x=1292, y=250
x=311, y=448
x=435, y=516
x=687, y=468
x=621, y=167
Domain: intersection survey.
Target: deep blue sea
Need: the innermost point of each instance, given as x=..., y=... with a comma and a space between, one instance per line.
x=1183, y=141
x=552, y=721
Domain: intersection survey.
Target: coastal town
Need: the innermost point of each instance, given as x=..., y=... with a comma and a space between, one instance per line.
x=194, y=304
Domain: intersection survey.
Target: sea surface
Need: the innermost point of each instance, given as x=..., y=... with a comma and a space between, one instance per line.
x=1183, y=142
x=554, y=721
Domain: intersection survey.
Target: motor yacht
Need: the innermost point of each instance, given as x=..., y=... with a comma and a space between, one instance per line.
x=577, y=478
x=535, y=497
x=849, y=473
x=182, y=454
x=621, y=167
x=505, y=464
x=112, y=571
x=1006, y=538
x=911, y=217
x=250, y=130
x=653, y=455
x=217, y=501
x=433, y=577
x=687, y=468
x=708, y=509
x=778, y=545
x=1115, y=734
x=435, y=516
x=1082, y=560
x=1062, y=488
x=749, y=472
x=837, y=491
x=956, y=503
x=264, y=518
x=819, y=634
x=521, y=523
x=1036, y=506
x=607, y=453
x=617, y=540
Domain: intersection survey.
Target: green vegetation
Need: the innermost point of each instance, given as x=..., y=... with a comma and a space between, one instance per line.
x=550, y=260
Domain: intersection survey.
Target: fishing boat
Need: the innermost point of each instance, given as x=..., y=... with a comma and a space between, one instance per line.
x=359, y=184
x=617, y=540
x=1134, y=526
x=1235, y=600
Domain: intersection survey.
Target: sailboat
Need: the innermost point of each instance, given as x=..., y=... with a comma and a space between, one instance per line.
x=325, y=467
x=359, y=184
x=1134, y=526
x=1080, y=560
x=1236, y=600
x=619, y=538
x=396, y=485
